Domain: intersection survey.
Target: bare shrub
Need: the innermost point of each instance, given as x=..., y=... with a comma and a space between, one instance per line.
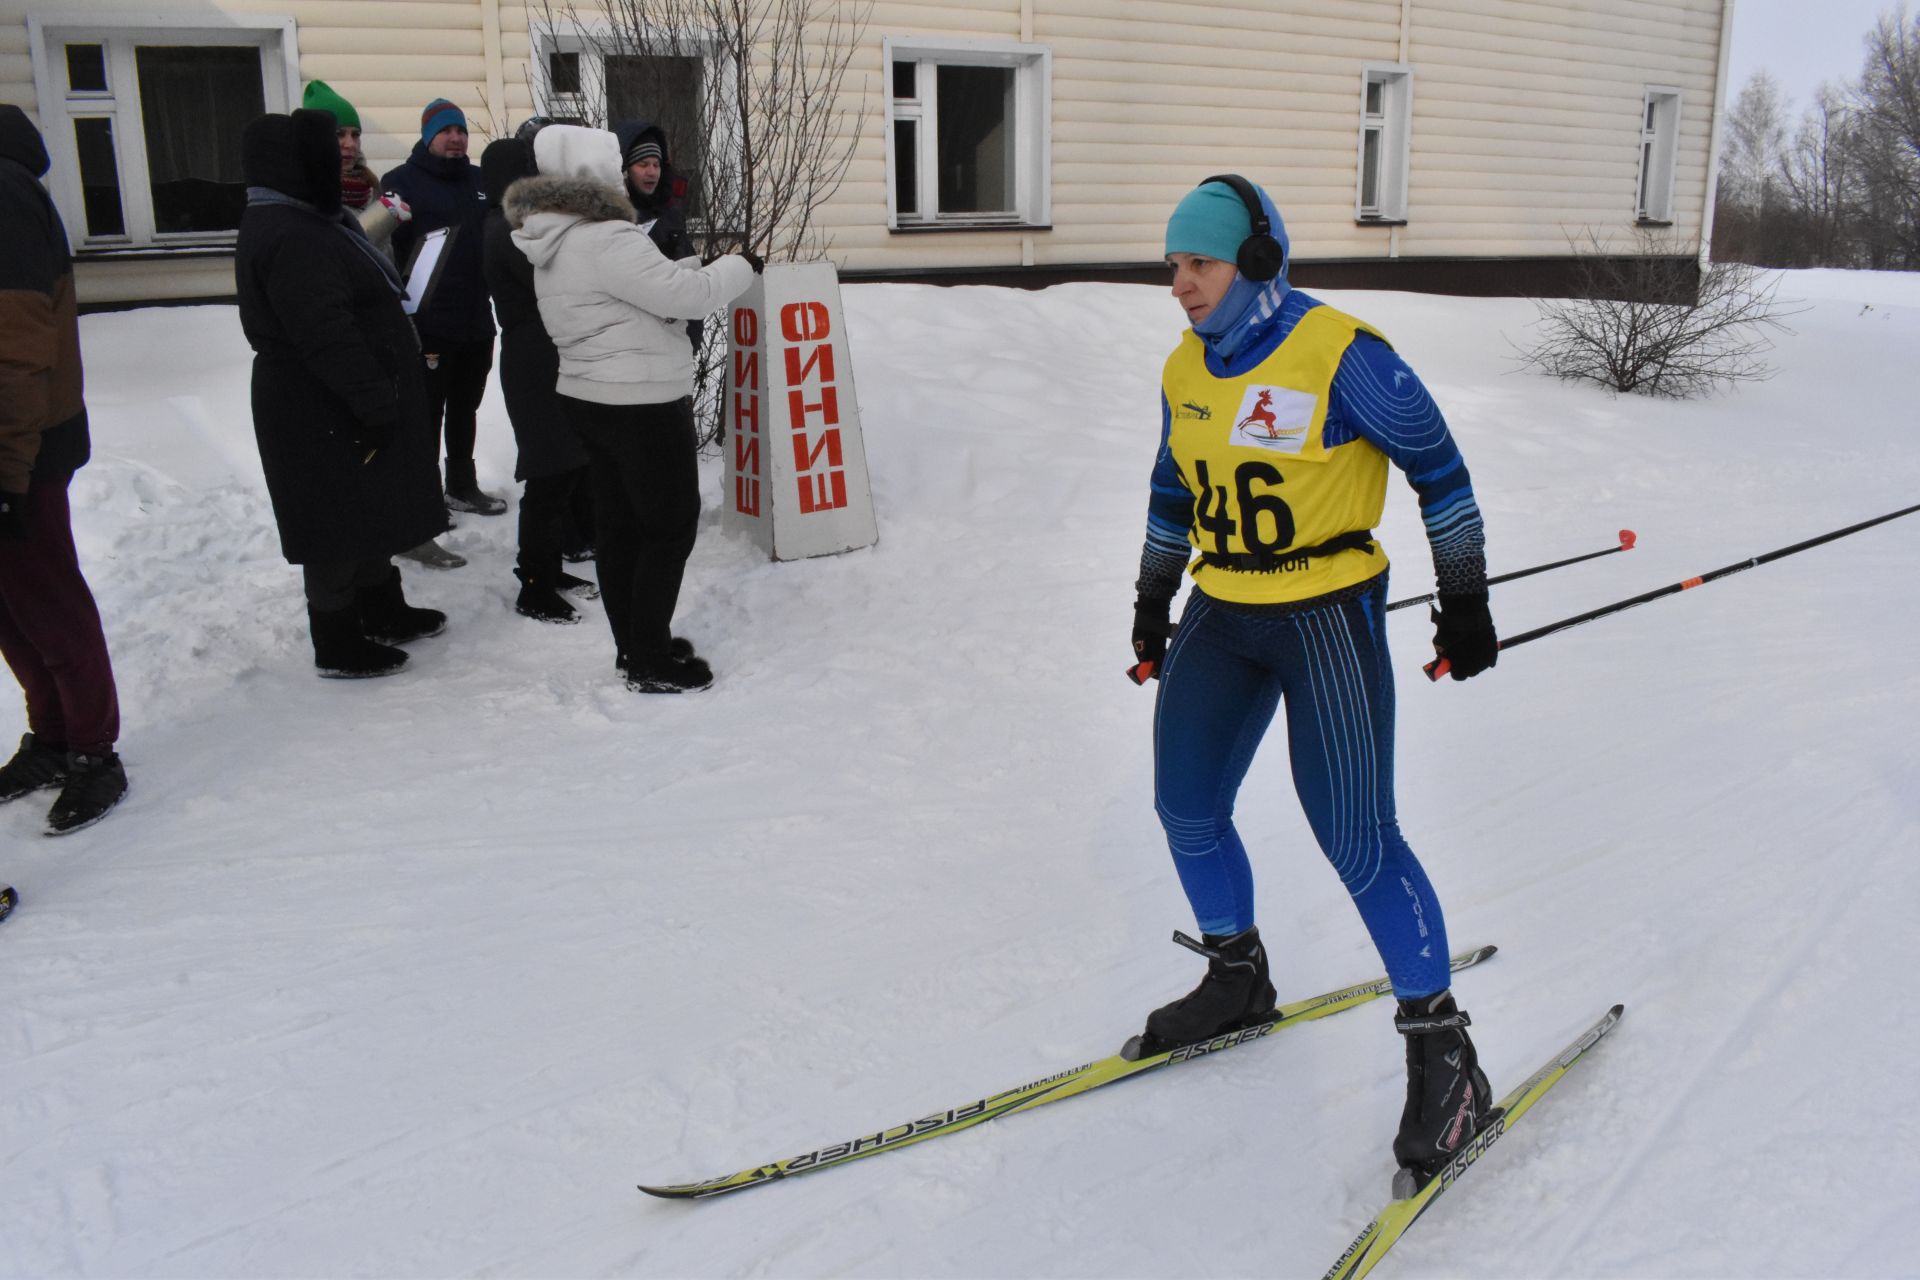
x=1651, y=322
x=754, y=98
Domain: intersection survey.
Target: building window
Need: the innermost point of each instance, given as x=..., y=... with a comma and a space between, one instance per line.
x=1386, y=113
x=143, y=125
x=1659, y=141
x=968, y=127
x=681, y=86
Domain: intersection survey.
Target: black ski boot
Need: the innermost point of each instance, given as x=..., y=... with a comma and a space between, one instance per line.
x=541, y=602
x=1235, y=993
x=1448, y=1098
x=95, y=783
x=341, y=651
x=34, y=766
x=387, y=618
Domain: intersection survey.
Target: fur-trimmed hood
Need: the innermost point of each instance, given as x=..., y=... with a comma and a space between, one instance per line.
x=584, y=198
x=543, y=208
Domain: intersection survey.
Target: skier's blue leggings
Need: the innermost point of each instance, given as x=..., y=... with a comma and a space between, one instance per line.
x=1225, y=674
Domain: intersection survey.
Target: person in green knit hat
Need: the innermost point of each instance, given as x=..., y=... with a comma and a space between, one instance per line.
x=380, y=215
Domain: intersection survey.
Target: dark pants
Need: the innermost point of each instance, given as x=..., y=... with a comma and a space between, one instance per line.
x=50, y=628
x=576, y=522
x=456, y=380
x=333, y=585
x=543, y=517
x=646, y=510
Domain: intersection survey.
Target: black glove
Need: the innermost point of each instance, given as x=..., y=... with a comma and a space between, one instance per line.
x=13, y=516
x=1463, y=635
x=1152, y=621
x=754, y=260
x=370, y=438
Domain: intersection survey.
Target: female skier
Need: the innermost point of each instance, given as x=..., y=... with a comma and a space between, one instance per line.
x=1279, y=416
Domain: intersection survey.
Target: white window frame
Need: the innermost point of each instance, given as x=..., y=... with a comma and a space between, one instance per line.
x=1392, y=126
x=1658, y=152
x=49, y=31
x=1032, y=136
x=590, y=41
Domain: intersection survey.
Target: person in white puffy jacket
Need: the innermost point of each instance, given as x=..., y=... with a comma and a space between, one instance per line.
x=617, y=310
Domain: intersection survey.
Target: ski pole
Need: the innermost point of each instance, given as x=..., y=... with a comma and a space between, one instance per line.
x=1439, y=666
x=1141, y=672
x=1627, y=539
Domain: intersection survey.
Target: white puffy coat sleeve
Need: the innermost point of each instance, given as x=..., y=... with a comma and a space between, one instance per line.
x=635, y=271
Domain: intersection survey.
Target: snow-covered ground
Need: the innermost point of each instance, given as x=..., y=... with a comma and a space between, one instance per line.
x=420, y=976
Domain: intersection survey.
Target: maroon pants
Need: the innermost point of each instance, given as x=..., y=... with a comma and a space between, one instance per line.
x=50, y=629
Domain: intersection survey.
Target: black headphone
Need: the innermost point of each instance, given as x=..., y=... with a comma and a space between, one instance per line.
x=1261, y=257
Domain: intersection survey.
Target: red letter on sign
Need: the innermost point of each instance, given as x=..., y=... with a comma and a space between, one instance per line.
x=746, y=369
x=746, y=327
x=822, y=491
x=804, y=322
x=798, y=408
x=803, y=460
x=821, y=360
x=746, y=412
x=746, y=496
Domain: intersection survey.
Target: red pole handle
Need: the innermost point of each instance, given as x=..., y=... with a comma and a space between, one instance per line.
x=1437, y=668
x=1141, y=672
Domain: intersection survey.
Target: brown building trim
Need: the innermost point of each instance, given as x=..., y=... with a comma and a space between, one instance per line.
x=1467, y=277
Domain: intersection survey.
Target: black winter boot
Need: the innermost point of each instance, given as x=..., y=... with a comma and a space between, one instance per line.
x=574, y=585
x=1235, y=993
x=387, y=618
x=341, y=651
x=1448, y=1098
x=679, y=648
x=539, y=601
x=34, y=766
x=95, y=783
x=670, y=675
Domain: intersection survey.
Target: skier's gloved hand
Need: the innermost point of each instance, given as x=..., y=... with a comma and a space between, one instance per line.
x=1463, y=634
x=1152, y=621
x=754, y=260
x=13, y=516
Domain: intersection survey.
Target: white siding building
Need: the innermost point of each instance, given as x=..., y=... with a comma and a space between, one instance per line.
x=1454, y=144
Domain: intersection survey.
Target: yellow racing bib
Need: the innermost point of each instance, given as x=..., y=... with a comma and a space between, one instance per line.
x=1278, y=516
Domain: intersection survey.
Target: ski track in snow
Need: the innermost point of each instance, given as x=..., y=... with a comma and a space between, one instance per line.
x=421, y=976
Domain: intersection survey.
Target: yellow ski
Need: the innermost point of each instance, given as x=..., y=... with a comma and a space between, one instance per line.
x=1409, y=1203
x=1065, y=1084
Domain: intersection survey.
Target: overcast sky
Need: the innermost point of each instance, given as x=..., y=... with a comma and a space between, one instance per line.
x=1801, y=42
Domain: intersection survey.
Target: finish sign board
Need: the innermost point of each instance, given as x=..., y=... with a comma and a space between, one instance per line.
x=797, y=470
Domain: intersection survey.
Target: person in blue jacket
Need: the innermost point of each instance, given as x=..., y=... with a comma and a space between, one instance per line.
x=444, y=189
x=1280, y=417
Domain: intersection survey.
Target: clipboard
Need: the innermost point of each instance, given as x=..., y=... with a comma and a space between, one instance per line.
x=425, y=268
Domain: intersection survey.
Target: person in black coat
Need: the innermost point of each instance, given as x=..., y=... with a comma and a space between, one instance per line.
x=659, y=196
x=551, y=461
x=339, y=403
x=444, y=189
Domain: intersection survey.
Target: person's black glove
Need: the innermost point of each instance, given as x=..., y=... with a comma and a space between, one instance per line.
x=13, y=516
x=1152, y=620
x=370, y=438
x=754, y=260
x=1463, y=634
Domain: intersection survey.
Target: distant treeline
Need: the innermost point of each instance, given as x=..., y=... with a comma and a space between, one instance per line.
x=1841, y=188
